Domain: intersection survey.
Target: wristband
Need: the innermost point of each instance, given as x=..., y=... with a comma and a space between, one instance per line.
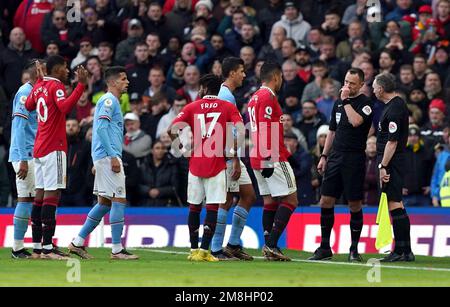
x=324, y=156
x=346, y=101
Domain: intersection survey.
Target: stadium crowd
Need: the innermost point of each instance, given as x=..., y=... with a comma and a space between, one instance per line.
x=167, y=45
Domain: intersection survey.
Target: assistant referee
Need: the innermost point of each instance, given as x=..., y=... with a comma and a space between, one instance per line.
x=391, y=145
x=343, y=162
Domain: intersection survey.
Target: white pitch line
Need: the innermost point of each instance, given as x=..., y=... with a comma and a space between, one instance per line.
x=318, y=262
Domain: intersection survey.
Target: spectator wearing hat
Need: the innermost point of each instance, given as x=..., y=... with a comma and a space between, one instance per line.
x=136, y=141
x=424, y=33
x=292, y=105
x=292, y=20
x=422, y=23
x=138, y=69
x=419, y=166
x=90, y=27
x=310, y=122
x=441, y=61
x=125, y=48
x=302, y=169
x=371, y=176
x=403, y=7
x=272, y=50
x=155, y=21
x=203, y=9
x=179, y=18
x=268, y=16
x=443, y=19
x=303, y=60
x=432, y=132
x=316, y=152
x=86, y=50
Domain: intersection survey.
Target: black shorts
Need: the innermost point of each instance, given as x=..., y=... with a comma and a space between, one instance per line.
x=345, y=172
x=396, y=169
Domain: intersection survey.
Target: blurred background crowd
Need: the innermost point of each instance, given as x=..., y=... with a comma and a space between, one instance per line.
x=167, y=45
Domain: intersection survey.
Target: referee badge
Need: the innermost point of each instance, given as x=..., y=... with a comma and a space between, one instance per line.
x=392, y=127
x=367, y=110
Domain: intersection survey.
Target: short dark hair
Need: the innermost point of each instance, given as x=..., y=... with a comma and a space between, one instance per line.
x=388, y=52
x=231, y=64
x=53, y=61
x=179, y=97
x=212, y=83
x=387, y=82
x=357, y=71
x=319, y=63
x=114, y=72
x=139, y=44
x=268, y=69
x=106, y=44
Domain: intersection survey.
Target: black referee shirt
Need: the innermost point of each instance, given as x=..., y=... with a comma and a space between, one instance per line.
x=347, y=137
x=393, y=125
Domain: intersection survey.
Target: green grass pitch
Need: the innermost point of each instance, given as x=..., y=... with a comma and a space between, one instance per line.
x=169, y=267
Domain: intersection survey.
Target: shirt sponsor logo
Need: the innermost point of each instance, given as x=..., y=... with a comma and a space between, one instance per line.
x=338, y=118
x=392, y=127
x=367, y=110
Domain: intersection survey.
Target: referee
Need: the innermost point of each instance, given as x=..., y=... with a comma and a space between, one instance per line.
x=343, y=162
x=391, y=144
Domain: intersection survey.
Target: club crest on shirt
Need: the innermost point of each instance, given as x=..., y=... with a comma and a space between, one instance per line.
x=367, y=110
x=59, y=93
x=338, y=118
x=120, y=190
x=392, y=127
x=23, y=99
x=108, y=102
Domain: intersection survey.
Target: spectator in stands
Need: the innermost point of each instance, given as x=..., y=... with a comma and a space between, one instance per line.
x=288, y=126
x=90, y=27
x=440, y=169
x=203, y=10
x=78, y=156
x=175, y=76
x=230, y=21
x=30, y=16
x=51, y=49
x=310, y=122
x=191, y=86
x=403, y=7
x=125, y=48
x=328, y=55
x=355, y=12
x=332, y=25
x=443, y=19
x=303, y=60
x=433, y=86
x=420, y=68
x=179, y=18
x=157, y=84
x=136, y=141
x=292, y=105
x=268, y=16
x=288, y=48
x=407, y=78
x=138, y=69
x=235, y=41
x=218, y=44
x=371, y=177
x=178, y=104
x=248, y=55
x=441, y=63
x=155, y=22
x=86, y=50
x=387, y=62
x=325, y=103
x=152, y=112
x=83, y=108
x=344, y=48
x=313, y=89
x=302, y=169
x=159, y=180
x=419, y=166
x=316, y=178
x=106, y=54
x=64, y=33
x=432, y=131
x=12, y=61
x=292, y=82
x=109, y=20
x=293, y=22
x=314, y=40
x=154, y=46
x=272, y=50
x=96, y=83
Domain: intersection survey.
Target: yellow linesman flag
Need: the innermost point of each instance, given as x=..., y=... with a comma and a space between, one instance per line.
x=384, y=235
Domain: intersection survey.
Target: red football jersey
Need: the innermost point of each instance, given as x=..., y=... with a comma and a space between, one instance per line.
x=208, y=118
x=266, y=129
x=48, y=98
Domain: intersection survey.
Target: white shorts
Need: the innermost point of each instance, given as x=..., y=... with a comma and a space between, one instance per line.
x=107, y=183
x=25, y=188
x=214, y=189
x=281, y=183
x=51, y=171
x=232, y=185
